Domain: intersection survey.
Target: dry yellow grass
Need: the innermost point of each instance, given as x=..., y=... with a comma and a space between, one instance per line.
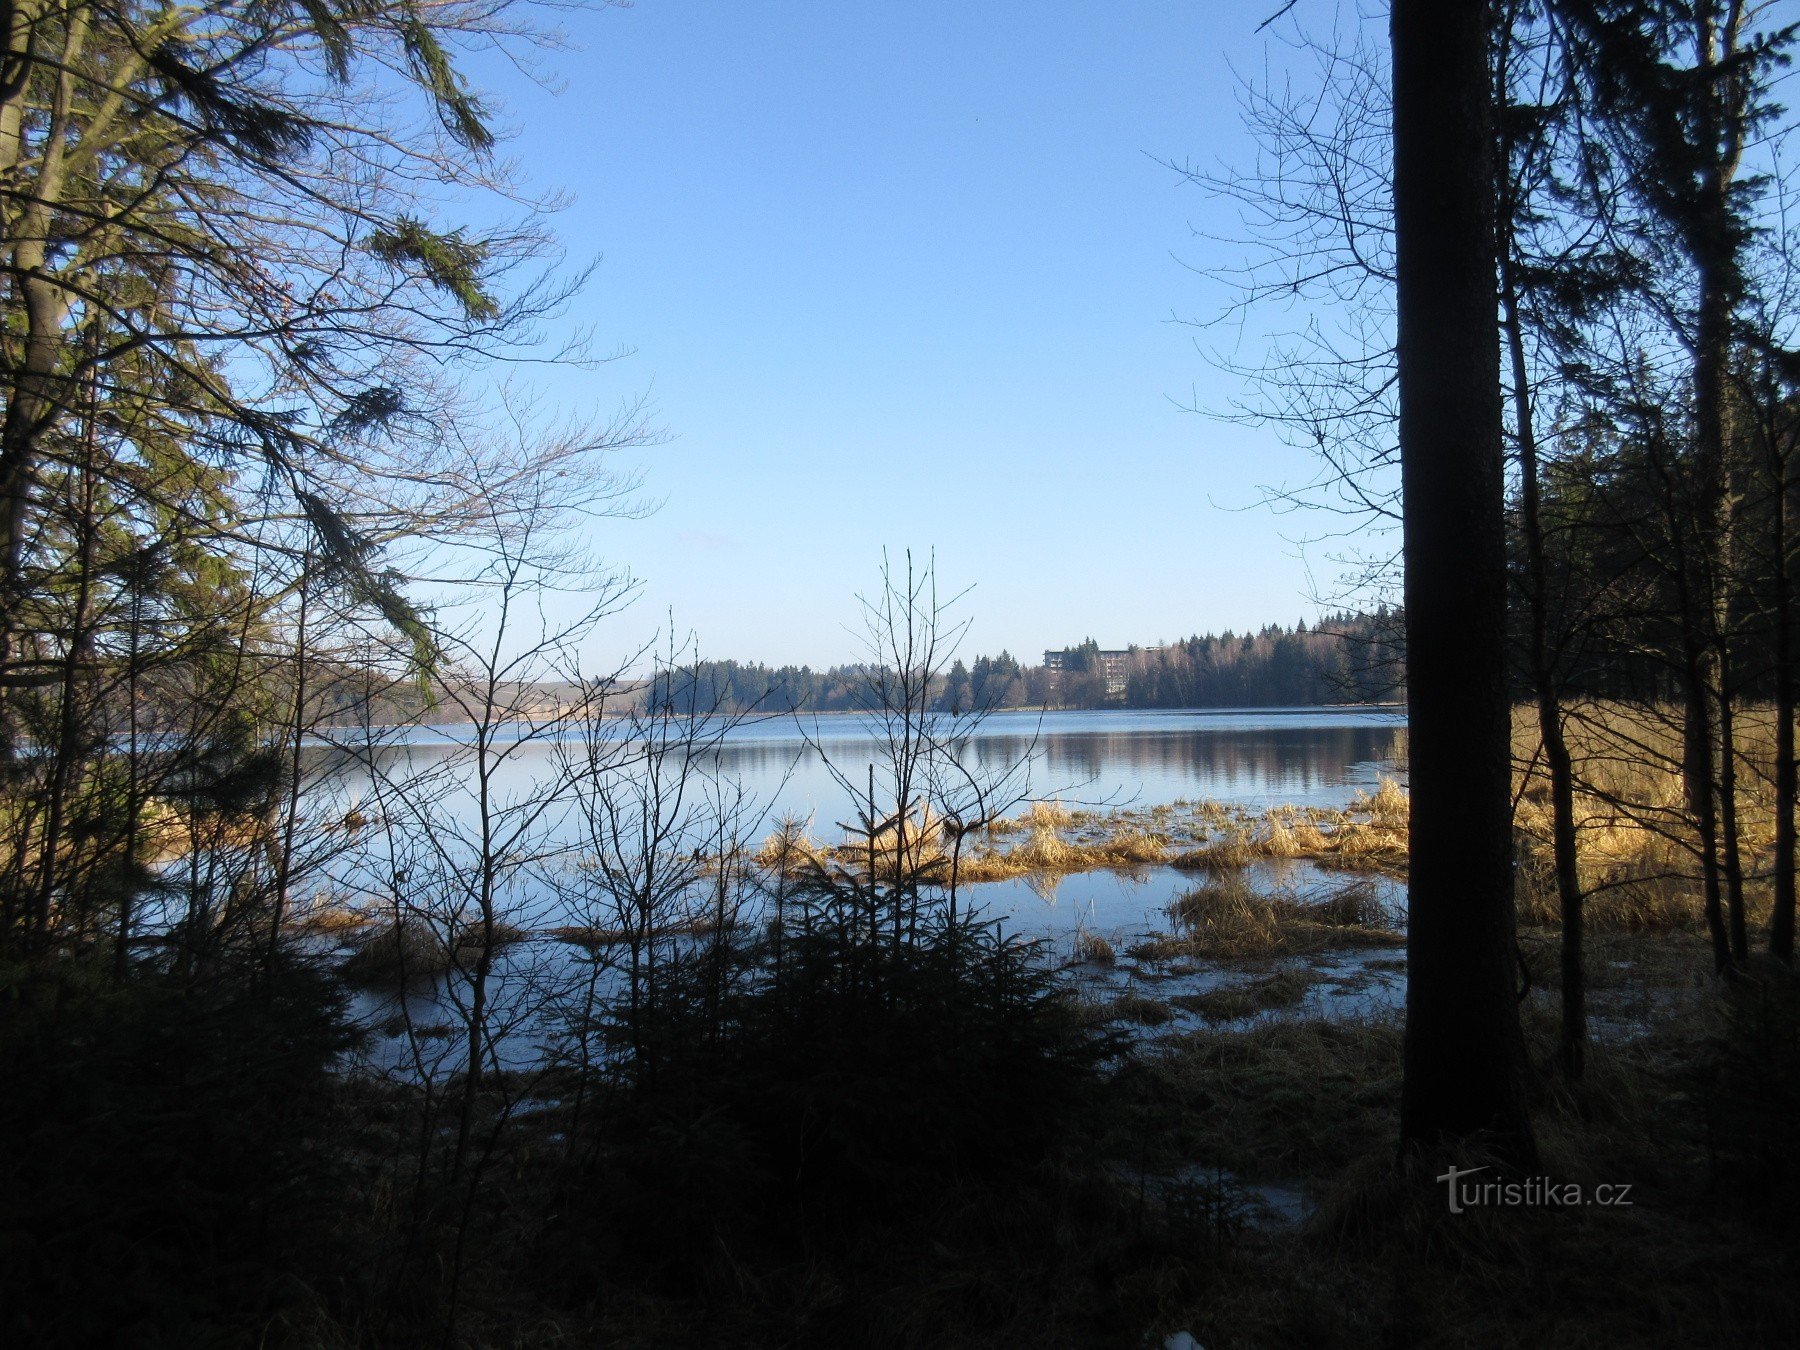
x=1369, y=834
x=416, y=949
x=1058, y=841
x=329, y=915
x=1637, y=849
x=1225, y=919
x=1093, y=949
x=1232, y=847
x=1048, y=839
x=790, y=849
x=1638, y=859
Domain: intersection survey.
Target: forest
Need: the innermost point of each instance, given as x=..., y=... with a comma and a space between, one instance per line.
x=310, y=1038
x=1341, y=658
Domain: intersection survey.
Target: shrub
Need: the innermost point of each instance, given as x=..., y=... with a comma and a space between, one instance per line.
x=862, y=1086
x=165, y=1170
x=1750, y=1081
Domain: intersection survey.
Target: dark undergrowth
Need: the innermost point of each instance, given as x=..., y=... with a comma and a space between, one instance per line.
x=879, y=1143
x=174, y=1153
x=932, y=1150
x=1687, y=1116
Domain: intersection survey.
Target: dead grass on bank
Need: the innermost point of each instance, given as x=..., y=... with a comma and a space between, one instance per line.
x=1091, y=949
x=330, y=916
x=1638, y=865
x=1264, y=993
x=1132, y=1006
x=1047, y=838
x=1224, y=919
x=410, y=949
x=1282, y=1099
x=1368, y=834
x=790, y=850
x=1638, y=852
x=1381, y=1261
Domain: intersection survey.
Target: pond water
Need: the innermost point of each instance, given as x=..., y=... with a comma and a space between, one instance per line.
x=1247, y=758
x=415, y=788
x=1258, y=757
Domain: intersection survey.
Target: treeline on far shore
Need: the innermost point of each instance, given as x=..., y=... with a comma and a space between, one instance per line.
x=1343, y=658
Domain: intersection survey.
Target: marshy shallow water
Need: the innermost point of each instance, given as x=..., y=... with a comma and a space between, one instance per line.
x=1219, y=770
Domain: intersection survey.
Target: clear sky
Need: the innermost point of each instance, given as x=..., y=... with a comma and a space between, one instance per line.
x=906, y=275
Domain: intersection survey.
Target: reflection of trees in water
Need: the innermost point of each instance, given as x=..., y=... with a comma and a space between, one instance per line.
x=1223, y=762
x=1232, y=761
x=1226, y=762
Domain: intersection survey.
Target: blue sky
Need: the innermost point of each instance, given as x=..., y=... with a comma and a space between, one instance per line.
x=906, y=276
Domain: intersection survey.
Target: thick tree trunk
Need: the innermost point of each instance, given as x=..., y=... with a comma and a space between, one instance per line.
x=1464, y=1058
x=32, y=380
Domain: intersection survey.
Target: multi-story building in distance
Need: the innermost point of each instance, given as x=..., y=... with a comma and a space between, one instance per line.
x=1112, y=665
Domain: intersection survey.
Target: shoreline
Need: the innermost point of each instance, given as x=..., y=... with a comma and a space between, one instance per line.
x=758, y=719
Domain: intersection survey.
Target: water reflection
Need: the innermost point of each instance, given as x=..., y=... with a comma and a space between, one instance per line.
x=1261, y=757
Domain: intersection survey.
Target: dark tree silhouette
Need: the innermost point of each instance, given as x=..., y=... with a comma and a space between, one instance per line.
x=1464, y=1059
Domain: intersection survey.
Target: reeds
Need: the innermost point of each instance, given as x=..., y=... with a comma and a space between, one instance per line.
x=1235, y=1002
x=409, y=949
x=329, y=915
x=594, y=936
x=1355, y=905
x=1130, y=1006
x=790, y=850
x=1369, y=834
x=1637, y=859
x=1225, y=919
x=1636, y=848
x=1092, y=949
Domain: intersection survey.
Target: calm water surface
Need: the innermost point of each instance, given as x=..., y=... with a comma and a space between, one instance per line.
x=1252, y=757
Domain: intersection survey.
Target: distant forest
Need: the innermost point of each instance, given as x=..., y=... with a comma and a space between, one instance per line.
x=1344, y=658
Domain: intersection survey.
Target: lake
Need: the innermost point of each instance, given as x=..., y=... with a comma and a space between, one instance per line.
x=1256, y=757
x=1250, y=758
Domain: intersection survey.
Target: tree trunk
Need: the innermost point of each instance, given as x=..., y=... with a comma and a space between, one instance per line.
x=1730, y=850
x=1712, y=242
x=1787, y=773
x=1464, y=1057
x=1697, y=777
x=1558, y=763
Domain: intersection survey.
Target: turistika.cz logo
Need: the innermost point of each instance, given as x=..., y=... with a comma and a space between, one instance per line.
x=1529, y=1191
